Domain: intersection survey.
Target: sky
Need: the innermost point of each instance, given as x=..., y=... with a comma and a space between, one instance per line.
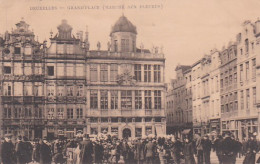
x=187, y=29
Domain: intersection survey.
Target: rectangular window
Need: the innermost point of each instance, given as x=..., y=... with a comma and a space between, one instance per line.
x=50, y=113
x=79, y=70
x=253, y=68
x=27, y=50
x=69, y=48
x=254, y=96
x=241, y=72
x=80, y=91
x=7, y=113
x=27, y=68
x=27, y=89
x=147, y=73
x=217, y=84
x=235, y=105
x=7, y=70
x=113, y=72
x=70, y=113
x=230, y=79
x=17, y=50
x=148, y=99
x=222, y=109
x=138, y=99
x=70, y=90
x=126, y=99
x=18, y=89
x=50, y=70
x=70, y=69
x=235, y=77
x=138, y=132
x=79, y=113
x=93, y=72
x=104, y=72
x=247, y=70
x=157, y=73
x=93, y=99
x=242, y=100
x=221, y=83
x=60, y=48
x=114, y=99
x=103, y=99
x=247, y=99
x=60, y=113
x=60, y=90
x=124, y=45
x=138, y=74
x=17, y=69
x=37, y=68
x=157, y=100
x=60, y=69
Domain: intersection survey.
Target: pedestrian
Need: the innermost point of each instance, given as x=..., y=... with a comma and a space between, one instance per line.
x=206, y=146
x=199, y=149
x=28, y=148
x=98, y=152
x=188, y=152
x=125, y=151
x=20, y=151
x=8, y=151
x=176, y=149
x=228, y=149
x=86, y=151
x=139, y=151
x=251, y=150
x=150, y=149
x=44, y=152
x=217, y=145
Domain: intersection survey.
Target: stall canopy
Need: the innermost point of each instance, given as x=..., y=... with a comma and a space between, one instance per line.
x=186, y=131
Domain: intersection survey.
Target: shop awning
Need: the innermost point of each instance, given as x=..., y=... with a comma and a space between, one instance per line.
x=159, y=130
x=186, y=131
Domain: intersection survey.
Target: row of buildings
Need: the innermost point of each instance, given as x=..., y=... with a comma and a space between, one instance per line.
x=219, y=92
x=64, y=88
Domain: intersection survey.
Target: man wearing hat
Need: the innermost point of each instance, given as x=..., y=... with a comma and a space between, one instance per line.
x=150, y=150
x=8, y=151
x=206, y=147
x=86, y=151
x=228, y=149
x=251, y=150
x=44, y=151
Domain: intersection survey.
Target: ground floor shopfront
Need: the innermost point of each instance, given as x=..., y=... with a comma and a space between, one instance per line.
x=240, y=128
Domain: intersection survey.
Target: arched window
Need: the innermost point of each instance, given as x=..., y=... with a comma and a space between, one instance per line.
x=246, y=45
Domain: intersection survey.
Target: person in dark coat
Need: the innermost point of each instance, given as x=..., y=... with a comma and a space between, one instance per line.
x=28, y=149
x=44, y=152
x=98, y=152
x=199, y=149
x=86, y=151
x=217, y=145
x=188, y=152
x=228, y=149
x=58, y=150
x=21, y=151
x=150, y=150
x=176, y=149
x=8, y=151
x=125, y=151
x=251, y=150
x=206, y=145
x=139, y=151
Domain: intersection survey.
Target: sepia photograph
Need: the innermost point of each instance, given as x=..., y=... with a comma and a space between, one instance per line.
x=129, y=82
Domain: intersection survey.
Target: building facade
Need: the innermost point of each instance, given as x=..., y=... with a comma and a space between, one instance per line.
x=179, y=112
x=224, y=87
x=72, y=89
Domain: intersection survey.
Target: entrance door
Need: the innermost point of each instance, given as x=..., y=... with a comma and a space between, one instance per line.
x=126, y=133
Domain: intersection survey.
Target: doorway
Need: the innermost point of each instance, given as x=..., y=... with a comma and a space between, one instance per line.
x=126, y=133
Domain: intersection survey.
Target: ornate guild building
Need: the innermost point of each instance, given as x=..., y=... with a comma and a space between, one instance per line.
x=65, y=88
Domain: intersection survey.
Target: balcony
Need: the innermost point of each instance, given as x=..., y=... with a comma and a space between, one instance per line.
x=124, y=55
x=7, y=99
x=66, y=56
x=22, y=77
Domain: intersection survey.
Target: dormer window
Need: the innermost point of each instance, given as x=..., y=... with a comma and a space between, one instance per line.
x=124, y=45
x=116, y=46
x=27, y=50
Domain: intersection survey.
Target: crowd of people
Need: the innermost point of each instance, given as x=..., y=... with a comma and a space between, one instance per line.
x=150, y=150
